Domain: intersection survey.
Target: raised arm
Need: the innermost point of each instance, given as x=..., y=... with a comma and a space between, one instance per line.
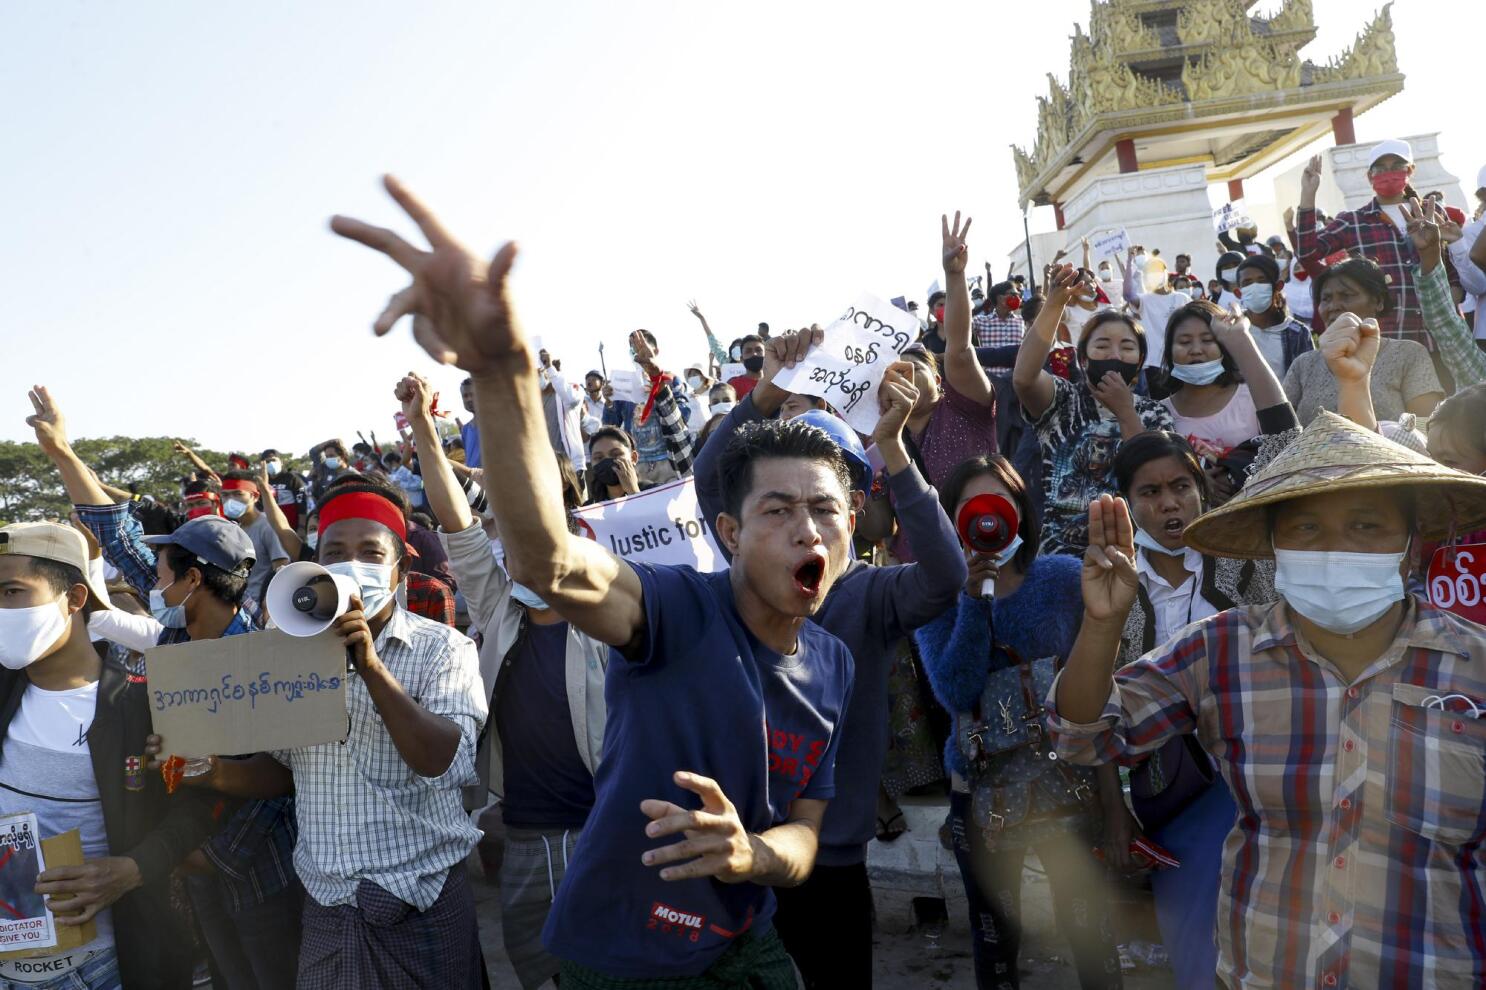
x=81, y=483
x=1129, y=275
x=195, y=459
x=1430, y=230
x=1313, y=242
x=446, y=497
x=1350, y=348
x=288, y=538
x=961, y=366
x=714, y=346
x=1232, y=331
x=465, y=319
x=1033, y=385
x=1110, y=585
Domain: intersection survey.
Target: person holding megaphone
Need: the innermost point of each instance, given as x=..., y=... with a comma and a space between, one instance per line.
x=989, y=660
x=382, y=827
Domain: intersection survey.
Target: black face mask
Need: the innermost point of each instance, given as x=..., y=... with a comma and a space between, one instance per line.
x=755, y=363
x=1098, y=368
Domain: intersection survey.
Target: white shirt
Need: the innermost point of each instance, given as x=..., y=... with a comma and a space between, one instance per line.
x=1271, y=344
x=1155, y=310
x=46, y=767
x=1472, y=279
x=1174, y=608
x=1298, y=295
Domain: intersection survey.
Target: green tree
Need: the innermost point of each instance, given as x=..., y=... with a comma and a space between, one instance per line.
x=31, y=489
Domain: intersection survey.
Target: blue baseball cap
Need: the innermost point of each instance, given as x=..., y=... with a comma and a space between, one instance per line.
x=214, y=540
x=845, y=438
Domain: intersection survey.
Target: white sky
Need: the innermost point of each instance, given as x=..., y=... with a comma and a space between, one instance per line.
x=169, y=168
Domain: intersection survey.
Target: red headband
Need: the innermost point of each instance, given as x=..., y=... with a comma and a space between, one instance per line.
x=240, y=485
x=364, y=505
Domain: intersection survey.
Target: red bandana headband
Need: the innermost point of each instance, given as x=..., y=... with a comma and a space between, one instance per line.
x=240, y=485
x=364, y=505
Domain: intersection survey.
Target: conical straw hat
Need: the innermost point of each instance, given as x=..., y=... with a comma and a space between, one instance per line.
x=1334, y=455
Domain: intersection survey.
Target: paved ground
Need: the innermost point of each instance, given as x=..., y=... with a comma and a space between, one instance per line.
x=926, y=957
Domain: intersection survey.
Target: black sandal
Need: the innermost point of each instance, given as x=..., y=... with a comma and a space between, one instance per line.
x=885, y=830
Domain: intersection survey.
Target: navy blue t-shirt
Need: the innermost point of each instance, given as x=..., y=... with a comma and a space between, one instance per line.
x=547, y=784
x=706, y=697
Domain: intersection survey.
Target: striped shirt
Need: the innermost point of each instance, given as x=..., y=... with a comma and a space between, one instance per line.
x=1356, y=856
x=364, y=814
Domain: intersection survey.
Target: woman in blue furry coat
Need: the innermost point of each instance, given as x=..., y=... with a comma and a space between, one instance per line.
x=1034, y=614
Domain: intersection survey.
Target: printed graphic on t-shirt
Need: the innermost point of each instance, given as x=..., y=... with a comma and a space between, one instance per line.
x=794, y=757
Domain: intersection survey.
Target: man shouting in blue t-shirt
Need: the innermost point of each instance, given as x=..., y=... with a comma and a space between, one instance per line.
x=725, y=705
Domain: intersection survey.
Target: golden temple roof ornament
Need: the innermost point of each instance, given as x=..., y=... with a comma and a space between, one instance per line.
x=1199, y=66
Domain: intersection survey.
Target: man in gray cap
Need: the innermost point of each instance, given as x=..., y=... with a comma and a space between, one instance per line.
x=243, y=887
x=72, y=734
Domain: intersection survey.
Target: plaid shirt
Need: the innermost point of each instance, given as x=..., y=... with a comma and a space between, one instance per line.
x=254, y=850
x=1372, y=233
x=672, y=428
x=1356, y=857
x=991, y=330
x=366, y=814
x=430, y=598
x=1451, y=333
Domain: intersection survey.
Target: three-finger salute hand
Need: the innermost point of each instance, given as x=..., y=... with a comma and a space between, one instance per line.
x=46, y=419
x=715, y=845
x=470, y=321
x=955, y=250
x=1109, y=579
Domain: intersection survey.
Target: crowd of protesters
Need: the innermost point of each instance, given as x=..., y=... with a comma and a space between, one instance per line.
x=1205, y=661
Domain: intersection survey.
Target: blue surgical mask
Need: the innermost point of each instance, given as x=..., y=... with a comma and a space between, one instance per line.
x=374, y=580
x=169, y=616
x=1257, y=297
x=1149, y=542
x=1202, y=373
x=1010, y=551
x=274, y=467
x=332, y=462
x=312, y=539
x=234, y=508
x=1340, y=592
x=526, y=596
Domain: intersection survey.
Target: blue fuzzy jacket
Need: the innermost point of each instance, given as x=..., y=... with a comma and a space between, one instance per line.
x=1039, y=619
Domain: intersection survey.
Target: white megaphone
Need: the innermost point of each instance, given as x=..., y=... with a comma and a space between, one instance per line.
x=304, y=598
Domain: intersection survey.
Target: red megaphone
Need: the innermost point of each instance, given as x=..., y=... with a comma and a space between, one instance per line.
x=987, y=524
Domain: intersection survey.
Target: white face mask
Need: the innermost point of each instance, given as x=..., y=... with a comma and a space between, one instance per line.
x=722, y=408
x=1202, y=373
x=1149, y=542
x=234, y=508
x=1340, y=592
x=1010, y=551
x=695, y=381
x=374, y=580
x=169, y=616
x=274, y=467
x=27, y=633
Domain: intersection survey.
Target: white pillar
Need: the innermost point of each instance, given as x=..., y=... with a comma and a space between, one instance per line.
x=1164, y=208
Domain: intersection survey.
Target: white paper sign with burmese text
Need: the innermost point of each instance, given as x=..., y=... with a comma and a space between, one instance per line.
x=247, y=694
x=847, y=367
x=1114, y=244
x=661, y=526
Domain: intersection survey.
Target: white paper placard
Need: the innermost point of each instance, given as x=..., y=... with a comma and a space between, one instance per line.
x=629, y=386
x=1115, y=244
x=732, y=370
x=1230, y=216
x=663, y=525
x=847, y=367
